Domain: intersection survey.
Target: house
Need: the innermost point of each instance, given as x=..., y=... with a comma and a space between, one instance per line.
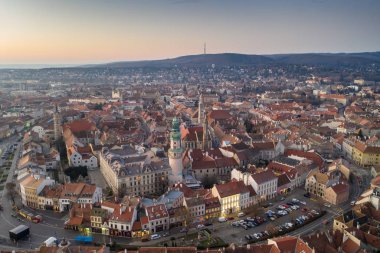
x=265, y=184
x=331, y=186
x=82, y=156
x=212, y=208
x=79, y=218
x=365, y=155
x=196, y=208
x=351, y=218
x=337, y=194
x=30, y=187
x=79, y=193
x=268, y=150
x=121, y=220
x=233, y=196
x=158, y=218
x=98, y=217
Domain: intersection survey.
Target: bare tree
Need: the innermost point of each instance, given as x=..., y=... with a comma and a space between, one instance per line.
x=11, y=191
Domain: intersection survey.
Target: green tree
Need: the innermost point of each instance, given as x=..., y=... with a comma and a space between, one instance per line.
x=75, y=172
x=208, y=182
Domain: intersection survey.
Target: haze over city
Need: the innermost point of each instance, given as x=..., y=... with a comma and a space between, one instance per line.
x=79, y=31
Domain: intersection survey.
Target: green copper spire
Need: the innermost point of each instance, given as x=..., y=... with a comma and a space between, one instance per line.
x=175, y=125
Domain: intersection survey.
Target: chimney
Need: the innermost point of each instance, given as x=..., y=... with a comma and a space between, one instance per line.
x=248, y=246
x=125, y=251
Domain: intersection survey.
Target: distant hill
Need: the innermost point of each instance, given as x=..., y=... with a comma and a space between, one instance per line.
x=231, y=59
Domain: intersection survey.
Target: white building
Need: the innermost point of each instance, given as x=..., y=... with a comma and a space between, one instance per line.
x=264, y=183
x=79, y=193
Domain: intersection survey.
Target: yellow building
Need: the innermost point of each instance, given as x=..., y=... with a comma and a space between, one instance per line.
x=233, y=196
x=30, y=188
x=365, y=155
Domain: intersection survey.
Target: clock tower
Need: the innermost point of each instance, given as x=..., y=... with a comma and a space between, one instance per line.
x=175, y=153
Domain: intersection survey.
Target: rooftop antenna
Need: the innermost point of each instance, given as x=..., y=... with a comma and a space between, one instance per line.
x=204, y=48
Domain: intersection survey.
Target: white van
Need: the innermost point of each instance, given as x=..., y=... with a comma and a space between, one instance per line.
x=241, y=214
x=222, y=219
x=50, y=241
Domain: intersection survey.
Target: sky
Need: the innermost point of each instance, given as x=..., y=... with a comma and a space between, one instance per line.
x=95, y=31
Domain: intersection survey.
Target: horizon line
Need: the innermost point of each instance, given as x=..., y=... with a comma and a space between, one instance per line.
x=68, y=65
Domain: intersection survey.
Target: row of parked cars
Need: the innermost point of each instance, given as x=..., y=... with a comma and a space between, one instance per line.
x=283, y=227
x=249, y=222
x=9, y=151
x=284, y=209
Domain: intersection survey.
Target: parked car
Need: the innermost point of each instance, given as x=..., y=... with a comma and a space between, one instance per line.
x=155, y=237
x=241, y=214
x=222, y=219
x=307, y=195
x=200, y=226
x=327, y=205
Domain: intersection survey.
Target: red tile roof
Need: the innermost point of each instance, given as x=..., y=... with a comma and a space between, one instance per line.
x=231, y=188
x=263, y=177
x=156, y=212
x=80, y=126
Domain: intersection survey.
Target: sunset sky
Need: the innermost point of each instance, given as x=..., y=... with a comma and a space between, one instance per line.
x=94, y=31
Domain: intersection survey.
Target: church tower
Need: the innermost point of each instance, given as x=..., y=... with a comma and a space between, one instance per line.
x=201, y=109
x=175, y=153
x=57, y=123
x=205, y=139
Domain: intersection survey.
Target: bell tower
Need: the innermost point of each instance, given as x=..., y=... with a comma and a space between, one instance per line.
x=57, y=123
x=201, y=109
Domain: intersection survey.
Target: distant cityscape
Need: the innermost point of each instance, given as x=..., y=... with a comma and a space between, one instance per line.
x=200, y=153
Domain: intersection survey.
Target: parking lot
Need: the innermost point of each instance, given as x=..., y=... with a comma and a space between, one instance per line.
x=277, y=215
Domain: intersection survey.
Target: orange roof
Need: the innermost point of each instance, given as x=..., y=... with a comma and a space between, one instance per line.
x=231, y=188
x=136, y=226
x=74, y=221
x=80, y=125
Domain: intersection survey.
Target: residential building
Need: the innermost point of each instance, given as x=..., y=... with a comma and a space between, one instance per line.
x=196, y=208
x=365, y=155
x=233, y=196
x=158, y=218
x=79, y=193
x=331, y=186
x=265, y=184
x=30, y=188
x=132, y=172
